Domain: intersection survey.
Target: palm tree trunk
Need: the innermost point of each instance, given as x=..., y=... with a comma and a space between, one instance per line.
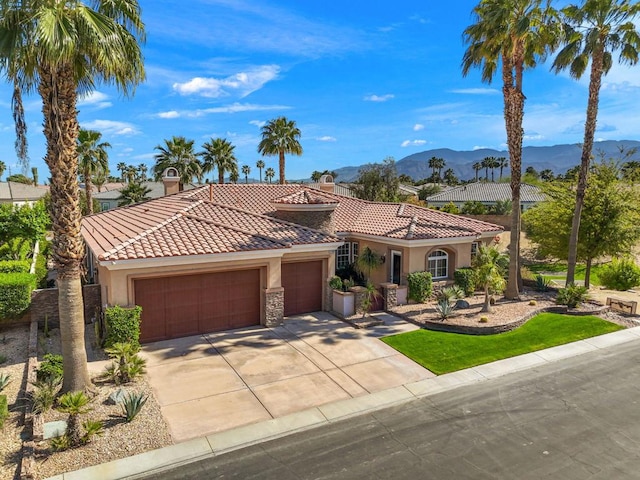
x=477, y=175
x=220, y=176
x=486, y=306
x=88, y=187
x=587, y=147
x=587, y=273
x=58, y=91
x=281, y=165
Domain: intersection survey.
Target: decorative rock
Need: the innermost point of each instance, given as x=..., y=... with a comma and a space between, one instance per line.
x=462, y=304
x=118, y=396
x=54, y=429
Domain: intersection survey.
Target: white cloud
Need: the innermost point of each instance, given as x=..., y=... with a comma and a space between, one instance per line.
x=415, y=143
x=169, y=114
x=533, y=136
x=480, y=147
x=379, y=98
x=235, y=108
x=144, y=156
x=417, y=127
x=476, y=91
x=240, y=84
x=95, y=99
x=112, y=127
x=258, y=123
x=326, y=138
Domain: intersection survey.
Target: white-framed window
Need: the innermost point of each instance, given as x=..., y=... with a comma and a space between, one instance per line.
x=346, y=254
x=474, y=249
x=438, y=264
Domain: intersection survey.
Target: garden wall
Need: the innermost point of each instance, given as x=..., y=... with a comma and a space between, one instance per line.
x=45, y=302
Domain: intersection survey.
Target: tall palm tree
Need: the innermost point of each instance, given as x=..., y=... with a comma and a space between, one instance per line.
x=486, y=164
x=218, y=153
x=60, y=50
x=134, y=192
x=260, y=166
x=493, y=164
x=92, y=158
x=142, y=171
x=593, y=32
x=502, y=164
x=280, y=136
x=246, y=170
x=3, y=167
x=477, y=167
x=131, y=173
x=234, y=176
x=179, y=154
x=514, y=34
x=34, y=175
x=269, y=173
x=433, y=165
x=122, y=168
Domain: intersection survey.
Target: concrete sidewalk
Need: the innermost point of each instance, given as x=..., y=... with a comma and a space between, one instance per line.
x=219, y=443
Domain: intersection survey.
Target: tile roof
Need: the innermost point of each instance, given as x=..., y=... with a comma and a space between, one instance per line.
x=21, y=192
x=237, y=218
x=487, y=192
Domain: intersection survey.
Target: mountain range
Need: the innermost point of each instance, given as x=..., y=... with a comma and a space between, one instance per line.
x=558, y=158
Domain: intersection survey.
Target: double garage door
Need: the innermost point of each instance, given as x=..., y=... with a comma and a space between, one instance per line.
x=184, y=305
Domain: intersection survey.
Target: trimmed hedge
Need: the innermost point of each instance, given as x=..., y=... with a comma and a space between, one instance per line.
x=123, y=325
x=15, y=266
x=465, y=278
x=420, y=286
x=15, y=293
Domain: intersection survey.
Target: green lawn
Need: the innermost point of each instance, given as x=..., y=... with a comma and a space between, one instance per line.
x=448, y=352
x=562, y=267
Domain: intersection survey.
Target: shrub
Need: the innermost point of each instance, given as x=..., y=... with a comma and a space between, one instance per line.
x=473, y=208
x=572, y=296
x=465, y=278
x=420, y=286
x=532, y=302
x=5, y=379
x=132, y=404
x=4, y=410
x=50, y=368
x=44, y=394
x=450, y=208
x=15, y=293
x=542, y=283
x=123, y=325
x=336, y=283
x=61, y=443
x=91, y=429
x=620, y=274
x=41, y=270
x=484, y=319
x=127, y=365
x=15, y=266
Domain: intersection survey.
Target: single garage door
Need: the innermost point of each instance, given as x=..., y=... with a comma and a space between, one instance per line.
x=302, y=282
x=185, y=305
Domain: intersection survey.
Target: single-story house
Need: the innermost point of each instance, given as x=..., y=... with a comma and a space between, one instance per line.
x=487, y=193
x=226, y=256
x=109, y=198
x=20, y=194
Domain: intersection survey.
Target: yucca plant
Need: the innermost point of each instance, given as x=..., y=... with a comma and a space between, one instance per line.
x=91, y=429
x=132, y=404
x=5, y=379
x=75, y=404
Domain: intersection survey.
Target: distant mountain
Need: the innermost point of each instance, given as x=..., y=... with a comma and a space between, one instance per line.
x=558, y=158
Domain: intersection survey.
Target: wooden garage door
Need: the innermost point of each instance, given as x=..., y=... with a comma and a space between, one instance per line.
x=302, y=282
x=185, y=305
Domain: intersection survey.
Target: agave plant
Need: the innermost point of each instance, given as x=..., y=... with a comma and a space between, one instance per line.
x=542, y=283
x=132, y=404
x=5, y=379
x=445, y=308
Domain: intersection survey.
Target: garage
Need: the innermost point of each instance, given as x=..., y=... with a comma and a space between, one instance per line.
x=184, y=305
x=303, y=287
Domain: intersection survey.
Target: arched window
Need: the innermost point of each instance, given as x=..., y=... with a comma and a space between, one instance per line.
x=438, y=264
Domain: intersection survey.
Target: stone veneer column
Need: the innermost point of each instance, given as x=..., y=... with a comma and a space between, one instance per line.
x=360, y=293
x=328, y=296
x=273, y=307
x=390, y=293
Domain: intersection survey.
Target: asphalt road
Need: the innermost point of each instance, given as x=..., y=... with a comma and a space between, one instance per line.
x=575, y=419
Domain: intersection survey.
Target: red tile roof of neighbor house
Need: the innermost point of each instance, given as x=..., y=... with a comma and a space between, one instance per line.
x=236, y=218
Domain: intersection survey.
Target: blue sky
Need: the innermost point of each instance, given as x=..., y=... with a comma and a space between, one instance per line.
x=364, y=80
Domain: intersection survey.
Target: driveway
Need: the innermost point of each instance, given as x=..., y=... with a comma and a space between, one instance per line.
x=218, y=381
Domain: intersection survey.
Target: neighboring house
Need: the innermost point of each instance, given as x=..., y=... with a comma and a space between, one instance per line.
x=108, y=198
x=487, y=193
x=21, y=193
x=408, y=190
x=228, y=256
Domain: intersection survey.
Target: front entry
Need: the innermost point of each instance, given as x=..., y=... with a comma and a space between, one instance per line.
x=396, y=267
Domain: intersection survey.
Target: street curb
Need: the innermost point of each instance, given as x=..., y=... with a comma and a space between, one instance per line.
x=147, y=463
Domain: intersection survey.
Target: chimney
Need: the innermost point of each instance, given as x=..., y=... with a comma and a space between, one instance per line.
x=307, y=209
x=171, y=181
x=326, y=184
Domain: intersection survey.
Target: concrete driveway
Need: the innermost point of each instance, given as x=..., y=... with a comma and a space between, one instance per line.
x=215, y=382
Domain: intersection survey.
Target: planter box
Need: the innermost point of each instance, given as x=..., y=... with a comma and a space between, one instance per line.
x=344, y=303
x=401, y=295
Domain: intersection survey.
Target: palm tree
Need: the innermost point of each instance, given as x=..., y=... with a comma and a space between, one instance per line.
x=3, y=167
x=477, y=167
x=179, y=154
x=61, y=49
x=131, y=173
x=75, y=404
x=260, y=166
x=246, y=170
x=134, y=192
x=502, y=163
x=142, y=171
x=493, y=164
x=122, y=167
x=433, y=165
x=234, y=176
x=34, y=175
x=367, y=261
x=92, y=157
x=218, y=153
x=593, y=32
x=269, y=174
x=280, y=136
x=514, y=34
x=486, y=164
x=488, y=274
x=547, y=175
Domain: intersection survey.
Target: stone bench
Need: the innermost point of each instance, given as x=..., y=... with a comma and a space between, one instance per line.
x=629, y=307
